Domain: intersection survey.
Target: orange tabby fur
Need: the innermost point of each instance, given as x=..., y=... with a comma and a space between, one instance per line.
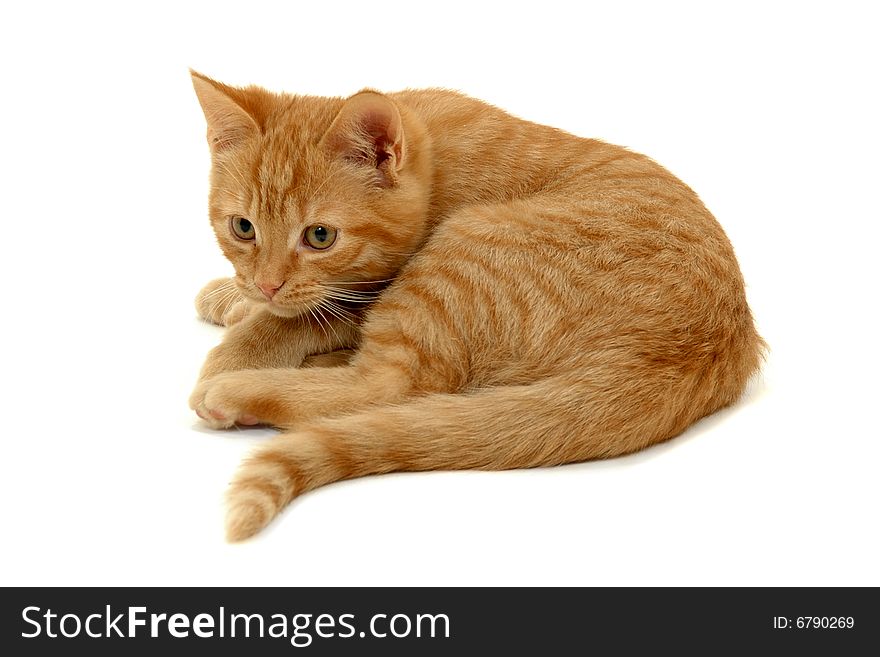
x=517, y=296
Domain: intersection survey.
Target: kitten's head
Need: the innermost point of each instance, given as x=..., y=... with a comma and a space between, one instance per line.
x=313, y=198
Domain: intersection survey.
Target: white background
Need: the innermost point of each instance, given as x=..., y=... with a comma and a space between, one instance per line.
x=767, y=109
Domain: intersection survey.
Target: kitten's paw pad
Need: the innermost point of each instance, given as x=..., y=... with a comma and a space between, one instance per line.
x=218, y=401
x=215, y=417
x=220, y=302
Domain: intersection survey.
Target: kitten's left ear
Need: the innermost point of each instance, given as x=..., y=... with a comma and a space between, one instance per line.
x=232, y=113
x=369, y=130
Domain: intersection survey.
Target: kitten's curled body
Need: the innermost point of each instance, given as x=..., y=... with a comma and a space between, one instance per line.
x=517, y=296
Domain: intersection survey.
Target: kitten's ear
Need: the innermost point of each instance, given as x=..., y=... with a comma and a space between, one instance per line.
x=229, y=123
x=369, y=130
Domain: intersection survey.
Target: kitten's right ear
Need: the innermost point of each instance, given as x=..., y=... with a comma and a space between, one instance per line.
x=369, y=130
x=228, y=122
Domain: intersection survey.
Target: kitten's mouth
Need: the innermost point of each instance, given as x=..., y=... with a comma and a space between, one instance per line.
x=287, y=309
x=291, y=308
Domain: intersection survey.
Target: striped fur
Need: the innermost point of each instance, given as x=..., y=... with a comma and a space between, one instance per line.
x=500, y=294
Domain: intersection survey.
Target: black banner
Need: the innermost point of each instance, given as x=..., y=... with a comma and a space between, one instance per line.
x=437, y=621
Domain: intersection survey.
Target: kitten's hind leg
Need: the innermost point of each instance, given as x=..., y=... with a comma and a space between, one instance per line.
x=558, y=420
x=220, y=302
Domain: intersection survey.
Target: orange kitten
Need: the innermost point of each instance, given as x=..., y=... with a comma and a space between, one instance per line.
x=497, y=293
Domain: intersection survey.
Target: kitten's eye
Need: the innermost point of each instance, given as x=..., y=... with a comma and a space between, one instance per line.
x=319, y=237
x=242, y=228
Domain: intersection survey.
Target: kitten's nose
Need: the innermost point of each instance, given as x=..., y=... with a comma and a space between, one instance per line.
x=269, y=289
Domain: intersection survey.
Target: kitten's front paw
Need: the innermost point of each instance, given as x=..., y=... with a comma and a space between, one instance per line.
x=220, y=403
x=237, y=312
x=220, y=302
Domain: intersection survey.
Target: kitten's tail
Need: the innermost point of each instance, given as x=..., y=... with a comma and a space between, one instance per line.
x=601, y=413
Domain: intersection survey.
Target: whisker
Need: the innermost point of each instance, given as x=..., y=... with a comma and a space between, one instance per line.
x=350, y=295
x=318, y=322
x=358, y=294
x=222, y=288
x=381, y=280
x=220, y=302
x=231, y=168
x=329, y=324
x=353, y=317
x=332, y=286
x=338, y=319
x=346, y=299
